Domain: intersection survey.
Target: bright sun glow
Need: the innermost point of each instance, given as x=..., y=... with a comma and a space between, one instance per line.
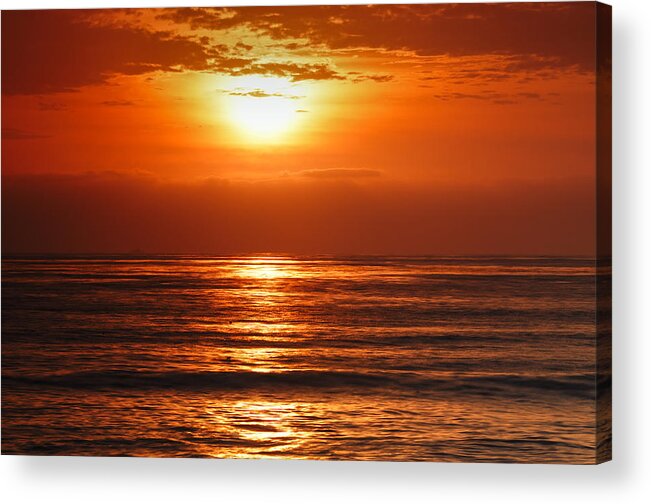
x=263, y=109
x=267, y=268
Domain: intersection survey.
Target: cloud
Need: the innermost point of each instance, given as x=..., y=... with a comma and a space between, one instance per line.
x=293, y=46
x=118, y=213
x=17, y=134
x=56, y=51
x=341, y=173
x=213, y=18
x=118, y=103
x=490, y=70
x=48, y=106
x=557, y=34
x=466, y=96
x=359, y=77
x=243, y=47
x=497, y=98
x=259, y=93
x=295, y=72
x=533, y=96
x=62, y=51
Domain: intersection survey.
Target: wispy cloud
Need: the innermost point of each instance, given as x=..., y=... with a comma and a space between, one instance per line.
x=118, y=103
x=338, y=173
x=259, y=93
x=47, y=106
x=18, y=134
x=519, y=30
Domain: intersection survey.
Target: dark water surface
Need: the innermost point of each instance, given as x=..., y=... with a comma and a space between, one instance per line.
x=417, y=358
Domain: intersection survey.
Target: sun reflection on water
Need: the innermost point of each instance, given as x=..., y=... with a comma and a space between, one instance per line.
x=268, y=268
x=260, y=314
x=258, y=428
x=403, y=361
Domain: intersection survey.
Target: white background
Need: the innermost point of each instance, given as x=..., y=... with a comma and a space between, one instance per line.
x=626, y=479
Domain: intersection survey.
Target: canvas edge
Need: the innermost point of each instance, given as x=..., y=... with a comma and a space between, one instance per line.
x=603, y=407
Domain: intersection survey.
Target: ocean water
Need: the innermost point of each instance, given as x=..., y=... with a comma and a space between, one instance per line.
x=364, y=358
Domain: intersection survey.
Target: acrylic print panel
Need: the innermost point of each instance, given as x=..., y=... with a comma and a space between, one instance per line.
x=323, y=232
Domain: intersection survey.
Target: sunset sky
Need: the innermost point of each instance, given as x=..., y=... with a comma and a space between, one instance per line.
x=407, y=129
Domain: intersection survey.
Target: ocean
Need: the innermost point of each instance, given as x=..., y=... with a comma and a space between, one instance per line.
x=348, y=358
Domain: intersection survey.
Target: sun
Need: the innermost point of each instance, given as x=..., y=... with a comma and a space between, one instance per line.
x=266, y=118
x=263, y=109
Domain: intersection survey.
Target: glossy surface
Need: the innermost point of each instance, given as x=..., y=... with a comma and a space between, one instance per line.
x=442, y=359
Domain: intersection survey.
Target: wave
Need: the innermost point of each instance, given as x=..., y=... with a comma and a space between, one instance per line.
x=578, y=385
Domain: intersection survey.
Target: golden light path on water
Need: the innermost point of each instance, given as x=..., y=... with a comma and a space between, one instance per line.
x=285, y=426
x=276, y=423
x=291, y=357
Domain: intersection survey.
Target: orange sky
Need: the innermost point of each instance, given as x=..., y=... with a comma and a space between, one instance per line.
x=414, y=129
